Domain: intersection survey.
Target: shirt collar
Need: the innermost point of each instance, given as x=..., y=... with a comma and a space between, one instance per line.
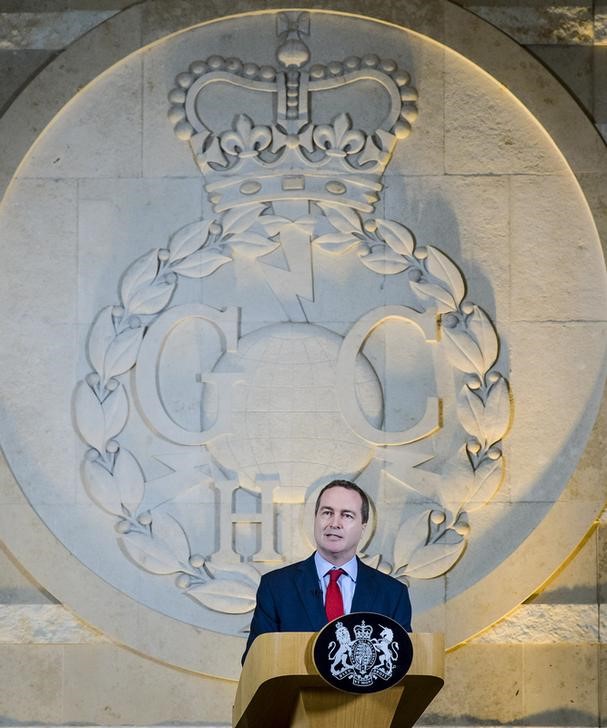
x=322, y=566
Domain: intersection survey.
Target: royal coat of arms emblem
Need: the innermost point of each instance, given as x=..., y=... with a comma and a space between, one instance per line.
x=363, y=652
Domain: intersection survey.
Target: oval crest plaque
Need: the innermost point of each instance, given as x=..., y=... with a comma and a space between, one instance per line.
x=363, y=652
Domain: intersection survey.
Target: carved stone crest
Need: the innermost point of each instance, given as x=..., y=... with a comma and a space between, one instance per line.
x=288, y=400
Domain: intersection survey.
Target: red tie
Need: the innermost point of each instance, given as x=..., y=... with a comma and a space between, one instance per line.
x=334, y=604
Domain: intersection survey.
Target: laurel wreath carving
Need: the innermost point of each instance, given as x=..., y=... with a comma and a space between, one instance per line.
x=429, y=544
x=426, y=545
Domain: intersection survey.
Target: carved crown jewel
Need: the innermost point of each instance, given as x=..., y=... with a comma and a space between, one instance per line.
x=292, y=157
x=363, y=631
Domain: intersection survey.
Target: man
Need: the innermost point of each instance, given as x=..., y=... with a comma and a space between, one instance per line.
x=303, y=597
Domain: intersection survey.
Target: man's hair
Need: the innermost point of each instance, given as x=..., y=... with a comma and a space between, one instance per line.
x=348, y=485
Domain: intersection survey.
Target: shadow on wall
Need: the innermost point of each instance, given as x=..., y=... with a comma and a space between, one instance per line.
x=553, y=718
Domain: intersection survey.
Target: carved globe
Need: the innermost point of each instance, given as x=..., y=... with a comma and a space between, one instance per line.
x=285, y=416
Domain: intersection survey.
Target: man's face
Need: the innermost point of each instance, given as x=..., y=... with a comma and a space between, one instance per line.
x=338, y=524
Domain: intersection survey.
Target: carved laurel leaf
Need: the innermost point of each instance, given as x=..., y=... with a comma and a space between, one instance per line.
x=102, y=487
x=413, y=532
x=139, y=274
x=443, y=299
x=188, y=239
x=459, y=474
x=434, y=559
x=273, y=224
x=233, y=572
x=166, y=531
x=397, y=236
x=89, y=416
x=497, y=410
x=252, y=245
x=463, y=351
x=441, y=267
x=201, y=264
x=239, y=219
x=151, y=299
x=232, y=597
x=101, y=335
x=344, y=219
x=122, y=352
x=487, y=479
x=483, y=332
x=336, y=243
x=150, y=554
x=471, y=412
x=385, y=262
x=115, y=412
x=129, y=480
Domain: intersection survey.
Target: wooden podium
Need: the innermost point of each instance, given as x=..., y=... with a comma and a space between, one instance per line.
x=281, y=688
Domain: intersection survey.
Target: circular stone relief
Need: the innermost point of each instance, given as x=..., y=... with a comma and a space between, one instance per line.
x=204, y=369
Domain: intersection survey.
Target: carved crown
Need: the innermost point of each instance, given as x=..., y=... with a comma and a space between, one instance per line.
x=292, y=157
x=363, y=631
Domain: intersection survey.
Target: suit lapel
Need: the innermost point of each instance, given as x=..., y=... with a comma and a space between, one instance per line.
x=363, y=592
x=306, y=582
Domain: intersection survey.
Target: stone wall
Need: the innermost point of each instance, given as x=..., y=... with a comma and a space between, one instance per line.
x=544, y=664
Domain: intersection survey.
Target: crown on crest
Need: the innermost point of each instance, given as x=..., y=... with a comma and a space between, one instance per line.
x=363, y=631
x=292, y=157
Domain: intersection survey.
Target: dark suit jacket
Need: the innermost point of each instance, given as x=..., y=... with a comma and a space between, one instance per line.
x=290, y=599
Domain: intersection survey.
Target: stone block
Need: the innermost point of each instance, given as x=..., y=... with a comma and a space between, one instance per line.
x=17, y=67
x=8, y=487
x=487, y=132
x=543, y=444
x=444, y=212
x=542, y=94
x=105, y=140
x=602, y=562
x=600, y=22
x=32, y=684
x=109, y=685
x=48, y=263
x=594, y=187
x=52, y=30
x=561, y=685
x=16, y=585
x=33, y=386
x=573, y=65
x=602, y=686
x=47, y=6
x=532, y=21
x=576, y=581
x=483, y=685
x=43, y=624
x=121, y=220
x=600, y=79
x=57, y=84
x=545, y=624
x=546, y=544
x=551, y=234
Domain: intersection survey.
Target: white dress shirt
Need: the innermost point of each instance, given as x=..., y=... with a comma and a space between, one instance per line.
x=346, y=582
